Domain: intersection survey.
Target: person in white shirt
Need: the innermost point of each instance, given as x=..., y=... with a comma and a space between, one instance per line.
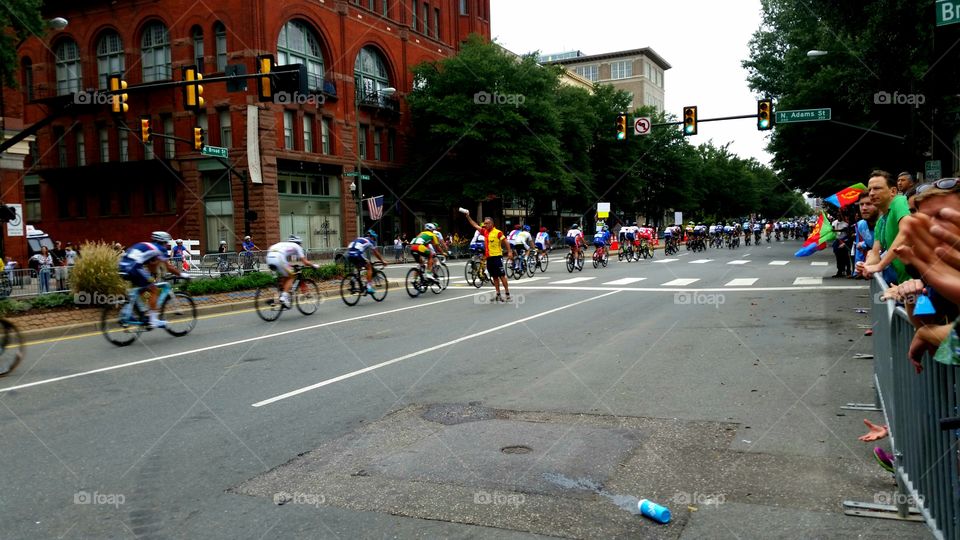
x=574, y=239
x=281, y=257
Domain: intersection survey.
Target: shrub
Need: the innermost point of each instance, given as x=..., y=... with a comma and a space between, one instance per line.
x=95, y=273
x=9, y=306
x=46, y=301
x=229, y=283
x=325, y=272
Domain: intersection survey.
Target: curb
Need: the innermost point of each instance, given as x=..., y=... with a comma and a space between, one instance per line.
x=214, y=309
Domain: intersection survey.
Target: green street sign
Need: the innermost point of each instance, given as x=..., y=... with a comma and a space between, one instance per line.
x=215, y=151
x=355, y=174
x=802, y=115
x=948, y=12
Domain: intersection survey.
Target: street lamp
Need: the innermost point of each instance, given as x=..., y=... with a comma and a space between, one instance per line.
x=385, y=92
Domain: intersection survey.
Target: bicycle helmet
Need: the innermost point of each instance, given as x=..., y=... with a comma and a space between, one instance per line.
x=179, y=241
x=295, y=239
x=517, y=227
x=372, y=234
x=575, y=226
x=605, y=228
x=245, y=237
x=161, y=237
x=543, y=229
x=223, y=242
x=526, y=228
x=430, y=227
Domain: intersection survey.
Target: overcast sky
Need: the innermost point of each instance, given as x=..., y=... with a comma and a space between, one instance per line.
x=705, y=56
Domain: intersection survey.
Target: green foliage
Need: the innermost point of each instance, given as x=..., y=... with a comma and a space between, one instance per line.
x=325, y=272
x=11, y=306
x=20, y=20
x=201, y=287
x=95, y=273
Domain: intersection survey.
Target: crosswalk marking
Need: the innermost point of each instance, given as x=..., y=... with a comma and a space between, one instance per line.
x=779, y=263
x=808, y=281
x=819, y=263
x=682, y=282
x=573, y=280
x=701, y=261
x=625, y=281
x=741, y=282
x=666, y=260
x=738, y=262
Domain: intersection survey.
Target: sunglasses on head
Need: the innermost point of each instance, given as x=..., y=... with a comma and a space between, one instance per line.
x=945, y=184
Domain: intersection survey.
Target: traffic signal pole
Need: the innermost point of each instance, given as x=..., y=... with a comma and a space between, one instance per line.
x=702, y=120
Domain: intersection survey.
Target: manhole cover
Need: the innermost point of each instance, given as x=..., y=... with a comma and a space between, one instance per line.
x=518, y=449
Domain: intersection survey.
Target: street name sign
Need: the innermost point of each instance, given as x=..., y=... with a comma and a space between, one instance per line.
x=215, y=151
x=802, y=115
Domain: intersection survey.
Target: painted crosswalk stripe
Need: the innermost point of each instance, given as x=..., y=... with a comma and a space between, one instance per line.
x=808, y=281
x=666, y=260
x=819, y=263
x=682, y=282
x=701, y=261
x=625, y=281
x=742, y=282
x=738, y=262
x=573, y=280
x=779, y=263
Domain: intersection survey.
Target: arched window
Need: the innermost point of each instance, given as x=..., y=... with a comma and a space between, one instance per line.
x=298, y=44
x=68, y=67
x=109, y=57
x=26, y=68
x=197, y=34
x=220, y=33
x=370, y=73
x=155, y=53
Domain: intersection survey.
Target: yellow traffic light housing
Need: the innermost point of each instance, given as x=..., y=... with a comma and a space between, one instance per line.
x=118, y=98
x=198, y=136
x=145, y=130
x=265, y=80
x=689, y=121
x=621, y=127
x=765, y=114
x=192, y=91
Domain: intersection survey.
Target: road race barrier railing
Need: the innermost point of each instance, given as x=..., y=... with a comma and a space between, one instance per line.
x=922, y=413
x=24, y=282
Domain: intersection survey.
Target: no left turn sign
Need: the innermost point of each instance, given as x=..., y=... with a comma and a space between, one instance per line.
x=642, y=126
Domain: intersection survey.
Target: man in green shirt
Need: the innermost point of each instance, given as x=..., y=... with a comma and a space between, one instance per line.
x=892, y=207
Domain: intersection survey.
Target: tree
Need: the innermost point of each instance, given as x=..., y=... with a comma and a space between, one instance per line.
x=20, y=19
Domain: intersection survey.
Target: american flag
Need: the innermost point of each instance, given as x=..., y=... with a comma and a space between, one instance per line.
x=375, y=207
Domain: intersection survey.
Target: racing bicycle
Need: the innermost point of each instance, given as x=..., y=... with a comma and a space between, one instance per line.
x=305, y=294
x=354, y=285
x=11, y=348
x=123, y=322
x=417, y=281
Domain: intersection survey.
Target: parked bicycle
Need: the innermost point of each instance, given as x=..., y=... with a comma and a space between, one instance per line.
x=123, y=322
x=12, y=349
x=248, y=262
x=354, y=285
x=223, y=267
x=305, y=295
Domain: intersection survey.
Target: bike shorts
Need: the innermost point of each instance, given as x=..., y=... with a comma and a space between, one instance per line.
x=279, y=264
x=137, y=275
x=519, y=249
x=631, y=237
x=540, y=246
x=477, y=248
x=420, y=248
x=495, y=266
x=571, y=240
x=357, y=259
x=599, y=244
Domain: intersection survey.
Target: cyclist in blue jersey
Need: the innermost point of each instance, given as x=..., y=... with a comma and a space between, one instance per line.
x=358, y=254
x=141, y=262
x=601, y=239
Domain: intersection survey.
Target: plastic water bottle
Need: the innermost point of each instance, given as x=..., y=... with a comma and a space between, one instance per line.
x=463, y=210
x=660, y=514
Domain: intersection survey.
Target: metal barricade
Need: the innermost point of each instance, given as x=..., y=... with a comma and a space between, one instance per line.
x=24, y=282
x=926, y=456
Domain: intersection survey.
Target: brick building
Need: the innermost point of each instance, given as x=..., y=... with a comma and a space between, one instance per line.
x=86, y=177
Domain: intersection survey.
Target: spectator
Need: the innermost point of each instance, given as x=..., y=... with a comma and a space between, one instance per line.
x=247, y=254
x=398, y=249
x=840, y=249
x=179, y=252
x=44, y=262
x=905, y=182
x=59, y=265
x=892, y=208
x=71, y=255
x=406, y=246
x=864, y=230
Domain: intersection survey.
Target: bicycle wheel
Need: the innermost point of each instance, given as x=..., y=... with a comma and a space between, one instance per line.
x=544, y=261
x=605, y=259
x=380, y=285
x=11, y=348
x=438, y=286
x=307, y=296
x=596, y=260
x=443, y=271
x=531, y=265
x=267, y=302
x=120, y=333
x=570, y=262
x=350, y=290
x=621, y=253
x=180, y=313
x=474, y=275
x=580, y=262
x=412, y=282
x=468, y=271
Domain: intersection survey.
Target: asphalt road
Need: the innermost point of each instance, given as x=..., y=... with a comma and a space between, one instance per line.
x=149, y=440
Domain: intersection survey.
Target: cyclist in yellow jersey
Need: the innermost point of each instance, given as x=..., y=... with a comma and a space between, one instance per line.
x=496, y=243
x=420, y=246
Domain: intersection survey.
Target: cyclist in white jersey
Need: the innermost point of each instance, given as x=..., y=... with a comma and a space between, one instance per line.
x=281, y=257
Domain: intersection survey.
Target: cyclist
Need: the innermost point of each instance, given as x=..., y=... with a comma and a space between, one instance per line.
x=281, y=257
x=574, y=239
x=756, y=232
x=477, y=243
x=630, y=237
x=521, y=240
x=542, y=241
x=426, y=243
x=667, y=236
x=600, y=240
x=141, y=262
x=357, y=253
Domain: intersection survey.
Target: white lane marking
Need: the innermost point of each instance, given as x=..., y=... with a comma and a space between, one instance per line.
x=705, y=290
x=666, y=260
x=683, y=255
x=701, y=261
x=625, y=281
x=746, y=254
x=818, y=263
x=738, y=262
x=422, y=352
x=779, y=263
x=742, y=282
x=808, y=281
x=232, y=343
x=573, y=280
x=680, y=282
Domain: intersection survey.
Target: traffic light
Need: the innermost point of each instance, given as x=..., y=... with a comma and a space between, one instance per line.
x=7, y=213
x=621, y=127
x=145, y=130
x=118, y=98
x=764, y=114
x=690, y=120
x=264, y=81
x=193, y=91
x=198, y=135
